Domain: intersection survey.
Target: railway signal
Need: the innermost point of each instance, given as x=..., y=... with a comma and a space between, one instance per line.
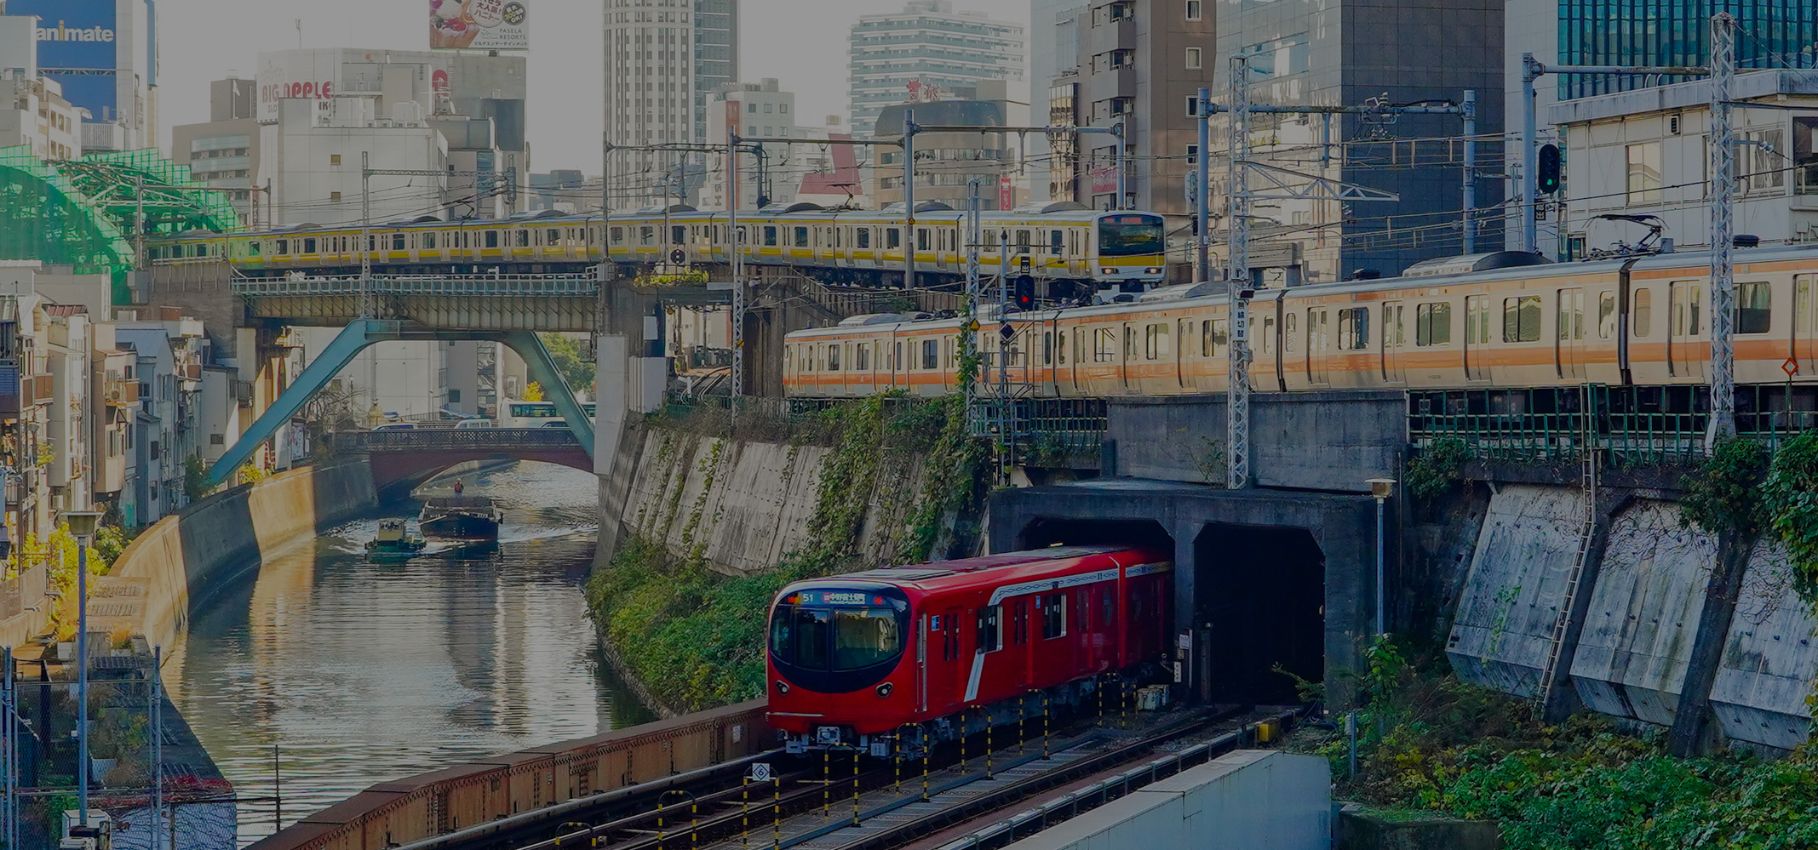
x=1546, y=174
x=1023, y=292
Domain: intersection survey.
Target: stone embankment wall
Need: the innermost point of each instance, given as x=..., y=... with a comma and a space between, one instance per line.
x=184, y=558
x=1640, y=621
x=743, y=505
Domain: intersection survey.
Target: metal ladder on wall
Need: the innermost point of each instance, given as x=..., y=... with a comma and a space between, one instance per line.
x=1589, y=460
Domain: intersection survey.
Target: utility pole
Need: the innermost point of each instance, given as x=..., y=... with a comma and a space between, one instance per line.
x=1468, y=173
x=738, y=267
x=974, y=276
x=368, y=310
x=1237, y=222
x=1006, y=435
x=1723, y=265
x=1202, y=204
x=157, y=745
x=909, y=131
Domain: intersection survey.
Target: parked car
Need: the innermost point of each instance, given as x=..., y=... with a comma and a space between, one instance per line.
x=396, y=426
x=475, y=425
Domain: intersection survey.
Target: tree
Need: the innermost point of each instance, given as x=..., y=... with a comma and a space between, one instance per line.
x=573, y=365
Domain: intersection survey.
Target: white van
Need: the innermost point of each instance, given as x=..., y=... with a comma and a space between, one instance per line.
x=474, y=425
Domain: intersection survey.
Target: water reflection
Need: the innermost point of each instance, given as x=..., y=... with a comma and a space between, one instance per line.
x=361, y=672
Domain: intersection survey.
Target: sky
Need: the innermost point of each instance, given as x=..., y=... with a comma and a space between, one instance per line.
x=800, y=42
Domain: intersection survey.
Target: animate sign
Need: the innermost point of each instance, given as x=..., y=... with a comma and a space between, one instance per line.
x=63, y=33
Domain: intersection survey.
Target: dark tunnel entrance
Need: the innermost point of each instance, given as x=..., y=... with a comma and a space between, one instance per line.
x=1072, y=532
x=1262, y=594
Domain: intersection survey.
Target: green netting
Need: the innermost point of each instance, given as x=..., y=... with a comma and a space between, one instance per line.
x=82, y=213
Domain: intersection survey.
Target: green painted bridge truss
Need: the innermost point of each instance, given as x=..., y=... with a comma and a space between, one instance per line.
x=83, y=213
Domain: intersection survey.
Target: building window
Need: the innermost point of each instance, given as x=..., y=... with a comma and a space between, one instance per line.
x=1805, y=156
x=334, y=160
x=1193, y=154
x=1195, y=10
x=1192, y=106
x=1644, y=173
x=1193, y=59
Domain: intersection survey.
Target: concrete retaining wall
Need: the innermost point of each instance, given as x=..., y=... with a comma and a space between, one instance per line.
x=1643, y=617
x=186, y=557
x=743, y=506
x=1305, y=441
x=1242, y=800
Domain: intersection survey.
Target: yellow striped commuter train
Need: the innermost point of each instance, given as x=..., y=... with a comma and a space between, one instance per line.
x=1069, y=247
x=1505, y=320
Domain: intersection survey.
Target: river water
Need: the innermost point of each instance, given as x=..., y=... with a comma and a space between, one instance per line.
x=360, y=672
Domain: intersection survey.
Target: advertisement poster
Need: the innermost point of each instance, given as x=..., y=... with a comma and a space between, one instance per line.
x=479, y=25
x=78, y=44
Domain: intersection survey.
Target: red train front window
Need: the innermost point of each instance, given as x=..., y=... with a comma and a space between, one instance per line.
x=836, y=640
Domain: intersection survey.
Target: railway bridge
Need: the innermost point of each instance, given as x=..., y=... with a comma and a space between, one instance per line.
x=401, y=460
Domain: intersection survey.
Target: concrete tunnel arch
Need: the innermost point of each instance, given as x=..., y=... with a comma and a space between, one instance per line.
x=1270, y=587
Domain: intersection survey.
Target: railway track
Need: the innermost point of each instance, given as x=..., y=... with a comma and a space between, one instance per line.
x=835, y=803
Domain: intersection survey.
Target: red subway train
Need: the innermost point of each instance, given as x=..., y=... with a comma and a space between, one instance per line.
x=910, y=656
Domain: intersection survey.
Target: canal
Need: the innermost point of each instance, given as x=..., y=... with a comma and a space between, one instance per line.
x=359, y=672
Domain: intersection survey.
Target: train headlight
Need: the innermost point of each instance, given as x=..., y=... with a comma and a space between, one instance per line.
x=1152, y=271
x=1107, y=271
x=782, y=687
x=884, y=689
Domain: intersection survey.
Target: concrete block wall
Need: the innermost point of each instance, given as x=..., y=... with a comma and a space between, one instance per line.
x=1644, y=613
x=1642, y=619
x=1502, y=630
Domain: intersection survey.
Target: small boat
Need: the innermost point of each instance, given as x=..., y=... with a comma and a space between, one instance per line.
x=394, y=541
x=464, y=518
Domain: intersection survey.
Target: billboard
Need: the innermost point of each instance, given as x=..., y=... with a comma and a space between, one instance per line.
x=310, y=74
x=479, y=25
x=77, y=39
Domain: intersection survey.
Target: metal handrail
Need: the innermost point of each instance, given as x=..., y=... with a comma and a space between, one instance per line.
x=464, y=285
x=457, y=438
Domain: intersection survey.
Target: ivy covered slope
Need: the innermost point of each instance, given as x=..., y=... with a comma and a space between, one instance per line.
x=693, y=637
x=1430, y=743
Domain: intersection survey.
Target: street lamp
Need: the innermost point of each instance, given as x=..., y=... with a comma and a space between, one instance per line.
x=1381, y=489
x=82, y=525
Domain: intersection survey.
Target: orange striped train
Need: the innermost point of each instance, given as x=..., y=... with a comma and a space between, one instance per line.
x=1505, y=320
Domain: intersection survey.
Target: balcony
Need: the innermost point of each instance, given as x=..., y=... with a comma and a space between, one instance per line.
x=122, y=394
x=35, y=390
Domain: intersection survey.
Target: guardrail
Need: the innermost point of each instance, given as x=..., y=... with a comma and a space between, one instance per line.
x=431, y=439
x=473, y=286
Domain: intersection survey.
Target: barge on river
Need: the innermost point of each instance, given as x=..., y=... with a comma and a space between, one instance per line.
x=463, y=518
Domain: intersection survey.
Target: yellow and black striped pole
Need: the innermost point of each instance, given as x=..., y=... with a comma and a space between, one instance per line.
x=826, y=783
x=927, y=750
x=694, y=823
x=897, y=758
x=988, y=724
x=745, y=811
x=661, y=836
x=1047, y=725
x=1022, y=722
x=855, y=787
x=776, y=813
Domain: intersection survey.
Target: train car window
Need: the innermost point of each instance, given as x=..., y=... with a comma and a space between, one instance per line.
x=769, y=236
x=1054, y=615
x=283, y=246
x=1432, y=324
x=862, y=238
x=1054, y=242
x=1521, y=319
x=947, y=353
x=1354, y=329
x=991, y=628
x=1803, y=286
x=861, y=359
x=309, y=246
x=1104, y=345
x=897, y=362
x=397, y=242
x=1268, y=338
x=798, y=237
x=521, y=238
x=253, y=248
x=833, y=357
x=1022, y=241
x=678, y=234
x=1155, y=342
x=1754, y=308
x=1394, y=326
x=615, y=235
x=1047, y=348
x=1129, y=343
x=1221, y=338
x=1570, y=321
x=429, y=241
x=552, y=237
x=921, y=239
x=930, y=354
x=1060, y=348
x=801, y=638
x=893, y=238
x=1643, y=313
x=1606, y=315
x=1107, y=609
x=1685, y=299
x=492, y=237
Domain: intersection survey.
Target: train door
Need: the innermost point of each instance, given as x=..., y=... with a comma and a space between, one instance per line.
x=1393, y=338
x=1477, y=338
x=1686, y=305
x=1319, y=343
x=1128, y=364
x=1568, y=354
x=1184, y=334
x=1019, y=637
x=1805, y=323
x=958, y=669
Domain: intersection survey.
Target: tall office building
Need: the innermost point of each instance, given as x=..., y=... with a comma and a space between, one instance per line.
x=716, y=56
x=1139, y=65
x=1774, y=34
x=1053, y=50
x=224, y=151
x=923, y=51
x=1341, y=52
x=104, y=54
x=665, y=59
